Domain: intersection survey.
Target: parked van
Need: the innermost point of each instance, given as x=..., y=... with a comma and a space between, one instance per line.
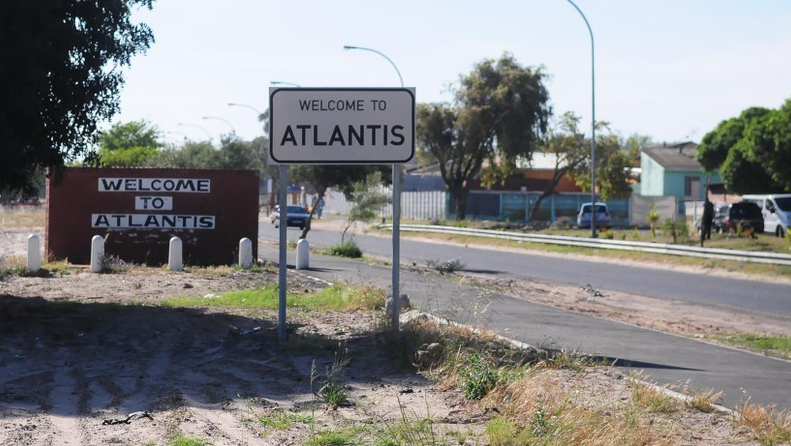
x=776, y=209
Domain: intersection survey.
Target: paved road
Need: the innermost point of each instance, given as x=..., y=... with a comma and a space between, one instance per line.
x=664, y=358
x=745, y=295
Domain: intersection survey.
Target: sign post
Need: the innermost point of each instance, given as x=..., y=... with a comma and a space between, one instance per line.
x=343, y=126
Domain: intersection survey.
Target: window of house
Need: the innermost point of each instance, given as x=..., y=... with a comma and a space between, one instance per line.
x=691, y=187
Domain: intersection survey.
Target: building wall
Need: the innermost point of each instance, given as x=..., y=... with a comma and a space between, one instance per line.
x=652, y=177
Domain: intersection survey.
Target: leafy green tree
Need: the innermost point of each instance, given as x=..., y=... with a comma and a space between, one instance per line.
x=62, y=75
x=752, y=151
x=769, y=141
x=322, y=177
x=569, y=146
x=500, y=111
x=612, y=165
x=368, y=198
x=715, y=145
x=129, y=144
x=192, y=155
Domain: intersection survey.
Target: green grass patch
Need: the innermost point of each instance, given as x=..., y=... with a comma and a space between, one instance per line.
x=336, y=297
x=778, y=346
x=346, y=249
x=281, y=420
x=335, y=438
x=187, y=441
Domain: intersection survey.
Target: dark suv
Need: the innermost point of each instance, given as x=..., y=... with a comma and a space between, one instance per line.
x=728, y=218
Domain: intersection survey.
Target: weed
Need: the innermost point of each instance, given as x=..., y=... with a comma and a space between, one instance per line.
x=411, y=430
x=334, y=438
x=766, y=426
x=113, y=265
x=446, y=267
x=332, y=391
x=704, y=401
x=280, y=419
x=478, y=377
x=187, y=441
x=346, y=249
x=653, y=398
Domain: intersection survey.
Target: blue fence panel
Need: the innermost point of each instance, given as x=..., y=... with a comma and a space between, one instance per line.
x=514, y=207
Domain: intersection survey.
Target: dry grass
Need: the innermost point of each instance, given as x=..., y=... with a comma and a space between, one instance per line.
x=766, y=426
x=22, y=217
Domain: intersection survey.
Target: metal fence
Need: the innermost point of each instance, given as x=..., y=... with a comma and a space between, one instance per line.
x=513, y=206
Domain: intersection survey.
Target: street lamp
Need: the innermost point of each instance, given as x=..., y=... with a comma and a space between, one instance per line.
x=351, y=47
x=396, y=207
x=233, y=130
x=285, y=83
x=208, y=135
x=234, y=104
x=593, y=125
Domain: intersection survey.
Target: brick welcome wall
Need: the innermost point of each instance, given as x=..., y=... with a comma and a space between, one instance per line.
x=214, y=210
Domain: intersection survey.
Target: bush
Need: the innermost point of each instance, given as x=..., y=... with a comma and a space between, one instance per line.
x=346, y=249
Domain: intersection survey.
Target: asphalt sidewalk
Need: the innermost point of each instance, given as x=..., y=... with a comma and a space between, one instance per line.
x=664, y=358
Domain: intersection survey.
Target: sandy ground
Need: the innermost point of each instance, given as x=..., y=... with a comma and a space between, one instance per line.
x=80, y=350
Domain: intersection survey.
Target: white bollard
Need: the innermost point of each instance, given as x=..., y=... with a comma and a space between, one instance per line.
x=174, y=254
x=246, y=253
x=97, y=253
x=303, y=254
x=33, y=253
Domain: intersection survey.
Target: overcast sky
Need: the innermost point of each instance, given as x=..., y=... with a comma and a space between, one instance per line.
x=668, y=69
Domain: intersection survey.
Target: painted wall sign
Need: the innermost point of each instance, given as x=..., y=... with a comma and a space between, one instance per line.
x=341, y=126
x=139, y=210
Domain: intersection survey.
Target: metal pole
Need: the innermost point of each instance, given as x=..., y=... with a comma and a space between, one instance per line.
x=396, y=293
x=396, y=245
x=283, y=222
x=593, y=124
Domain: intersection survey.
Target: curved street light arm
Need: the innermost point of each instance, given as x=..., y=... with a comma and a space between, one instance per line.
x=285, y=83
x=233, y=130
x=235, y=104
x=181, y=124
x=351, y=47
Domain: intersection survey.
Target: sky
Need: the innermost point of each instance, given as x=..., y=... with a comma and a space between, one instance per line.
x=667, y=69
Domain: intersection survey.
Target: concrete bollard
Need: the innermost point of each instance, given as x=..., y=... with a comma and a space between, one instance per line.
x=174, y=254
x=303, y=254
x=33, y=253
x=246, y=253
x=97, y=253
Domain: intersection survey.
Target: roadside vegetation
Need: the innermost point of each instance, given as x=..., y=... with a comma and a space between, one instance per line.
x=522, y=396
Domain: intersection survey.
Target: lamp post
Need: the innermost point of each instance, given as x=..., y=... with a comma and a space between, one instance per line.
x=233, y=130
x=285, y=83
x=235, y=104
x=351, y=47
x=593, y=125
x=208, y=135
x=396, y=295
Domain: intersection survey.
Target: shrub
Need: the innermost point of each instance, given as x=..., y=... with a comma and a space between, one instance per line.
x=346, y=249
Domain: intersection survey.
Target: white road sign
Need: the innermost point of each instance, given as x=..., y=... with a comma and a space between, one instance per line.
x=341, y=126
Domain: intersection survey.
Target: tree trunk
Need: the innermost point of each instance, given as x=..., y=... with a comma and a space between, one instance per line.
x=536, y=205
x=461, y=204
x=319, y=197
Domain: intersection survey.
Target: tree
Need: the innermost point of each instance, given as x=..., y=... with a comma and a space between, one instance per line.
x=129, y=144
x=62, y=77
x=368, y=197
x=321, y=178
x=570, y=149
x=612, y=164
x=500, y=111
x=715, y=145
x=752, y=151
